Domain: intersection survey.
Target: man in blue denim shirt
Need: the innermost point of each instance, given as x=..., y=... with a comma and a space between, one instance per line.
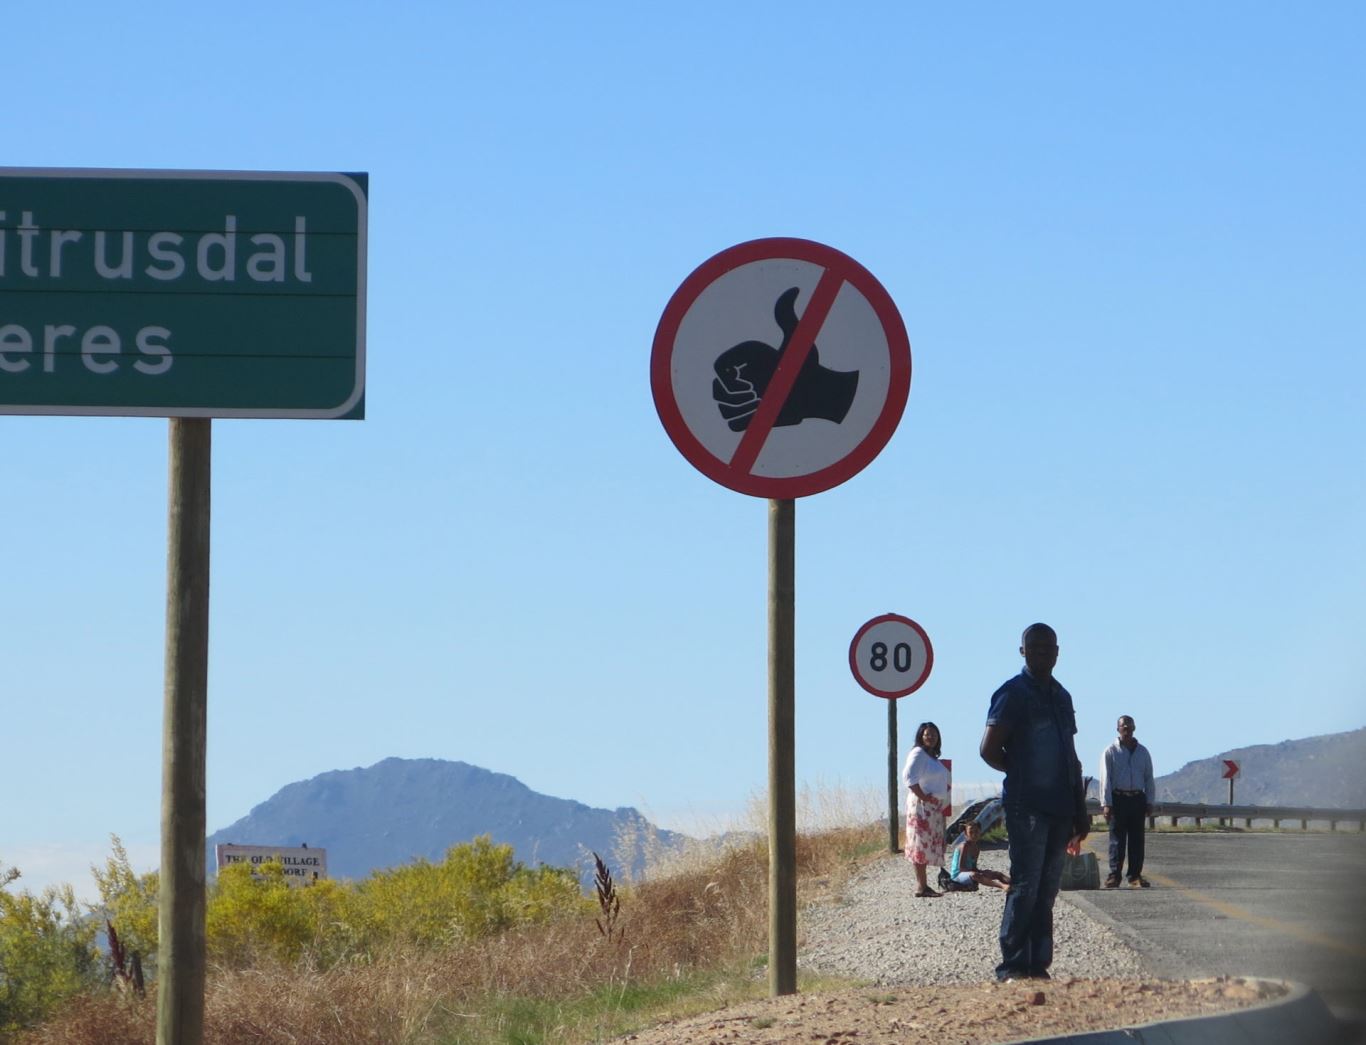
x=1029, y=738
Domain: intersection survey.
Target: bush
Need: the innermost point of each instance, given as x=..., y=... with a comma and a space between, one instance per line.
x=475, y=948
x=476, y=891
x=129, y=901
x=251, y=917
x=47, y=954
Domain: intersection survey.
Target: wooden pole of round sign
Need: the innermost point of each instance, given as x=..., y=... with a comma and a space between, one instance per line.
x=782, y=772
x=180, y=907
x=893, y=792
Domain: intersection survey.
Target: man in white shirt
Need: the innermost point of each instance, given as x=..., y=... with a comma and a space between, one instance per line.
x=1127, y=794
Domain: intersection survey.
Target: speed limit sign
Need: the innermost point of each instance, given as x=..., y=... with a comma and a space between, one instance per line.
x=891, y=656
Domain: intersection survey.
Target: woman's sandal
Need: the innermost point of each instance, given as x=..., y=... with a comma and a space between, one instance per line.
x=927, y=892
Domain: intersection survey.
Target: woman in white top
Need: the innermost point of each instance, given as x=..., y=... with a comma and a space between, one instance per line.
x=927, y=780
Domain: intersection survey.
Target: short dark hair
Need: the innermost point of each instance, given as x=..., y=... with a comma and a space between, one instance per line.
x=920, y=731
x=1024, y=635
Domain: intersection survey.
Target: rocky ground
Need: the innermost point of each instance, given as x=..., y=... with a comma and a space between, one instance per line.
x=964, y=1013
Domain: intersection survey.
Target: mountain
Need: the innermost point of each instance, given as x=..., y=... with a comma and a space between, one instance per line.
x=1324, y=772
x=400, y=809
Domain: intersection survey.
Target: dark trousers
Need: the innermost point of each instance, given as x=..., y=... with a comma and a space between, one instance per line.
x=1127, y=821
x=1037, y=844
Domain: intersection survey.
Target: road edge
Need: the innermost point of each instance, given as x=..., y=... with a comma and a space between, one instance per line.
x=1300, y=1016
x=1160, y=961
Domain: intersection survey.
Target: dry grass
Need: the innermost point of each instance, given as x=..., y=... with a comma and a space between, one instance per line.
x=681, y=941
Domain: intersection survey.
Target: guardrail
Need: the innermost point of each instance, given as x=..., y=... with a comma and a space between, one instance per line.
x=1200, y=812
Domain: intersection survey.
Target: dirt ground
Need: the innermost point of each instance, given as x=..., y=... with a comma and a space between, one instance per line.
x=971, y=1014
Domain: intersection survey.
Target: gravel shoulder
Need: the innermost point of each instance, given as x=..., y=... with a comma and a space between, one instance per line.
x=926, y=974
x=879, y=932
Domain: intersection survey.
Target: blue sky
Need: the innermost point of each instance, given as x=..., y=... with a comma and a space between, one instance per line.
x=1128, y=248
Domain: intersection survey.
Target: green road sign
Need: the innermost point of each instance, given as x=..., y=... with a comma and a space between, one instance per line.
x=182, y=293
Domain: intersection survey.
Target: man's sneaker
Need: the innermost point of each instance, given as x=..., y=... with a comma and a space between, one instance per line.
x=1139, y=883
x=1112, y=882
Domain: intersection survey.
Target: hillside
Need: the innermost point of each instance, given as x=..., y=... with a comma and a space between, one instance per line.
x=1327, y=771
x=400, y=809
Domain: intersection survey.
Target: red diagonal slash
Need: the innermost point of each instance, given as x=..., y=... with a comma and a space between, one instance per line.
x=785, y=376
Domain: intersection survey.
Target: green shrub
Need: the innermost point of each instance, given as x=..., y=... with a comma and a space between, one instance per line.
x=251, y=916
x=47, y=954
x=398, y=956
x=476, y=891
x=129, y=901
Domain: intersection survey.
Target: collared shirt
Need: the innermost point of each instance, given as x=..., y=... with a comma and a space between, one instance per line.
x=1126, y=770
x=1042, y=772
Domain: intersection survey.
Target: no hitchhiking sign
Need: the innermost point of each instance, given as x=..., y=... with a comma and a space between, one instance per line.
x=780, y=368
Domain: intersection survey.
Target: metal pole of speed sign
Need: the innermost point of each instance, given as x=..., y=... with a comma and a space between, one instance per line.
x=891, y=657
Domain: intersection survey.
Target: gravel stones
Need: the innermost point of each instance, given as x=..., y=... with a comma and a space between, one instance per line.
x=880, y=932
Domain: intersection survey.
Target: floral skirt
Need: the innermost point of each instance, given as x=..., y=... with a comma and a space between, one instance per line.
x=924, y=832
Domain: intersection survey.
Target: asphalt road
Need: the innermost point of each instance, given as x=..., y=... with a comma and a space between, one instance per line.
x=1286, y=905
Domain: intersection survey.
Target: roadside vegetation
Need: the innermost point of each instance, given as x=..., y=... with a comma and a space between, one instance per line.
x=474, y=949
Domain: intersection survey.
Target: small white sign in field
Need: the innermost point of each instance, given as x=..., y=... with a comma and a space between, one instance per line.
x=302, y=865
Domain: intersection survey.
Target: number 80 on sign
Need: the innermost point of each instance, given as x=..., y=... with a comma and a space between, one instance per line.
x=891, y=656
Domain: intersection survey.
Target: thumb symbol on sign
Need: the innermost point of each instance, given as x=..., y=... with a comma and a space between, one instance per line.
x=743, y=372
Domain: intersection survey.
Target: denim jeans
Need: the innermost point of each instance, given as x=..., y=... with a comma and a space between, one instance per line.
x=1127, y=821
x=1037, y=844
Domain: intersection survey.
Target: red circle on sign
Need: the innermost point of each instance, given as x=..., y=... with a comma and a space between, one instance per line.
x=838, y=269
x=917, y=682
